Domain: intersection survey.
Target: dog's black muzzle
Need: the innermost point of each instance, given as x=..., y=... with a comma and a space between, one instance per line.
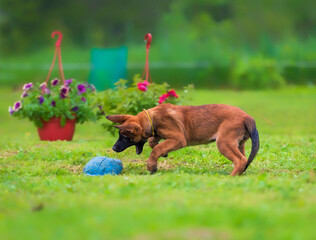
x=124, y=142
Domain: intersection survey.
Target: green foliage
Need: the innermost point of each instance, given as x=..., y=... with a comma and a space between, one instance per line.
x=213, y=20
x=256, y=73
x=131, y=100
x=208, y=35
x=41, y=102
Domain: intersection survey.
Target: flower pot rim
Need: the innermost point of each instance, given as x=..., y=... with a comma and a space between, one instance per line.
x=55, y=119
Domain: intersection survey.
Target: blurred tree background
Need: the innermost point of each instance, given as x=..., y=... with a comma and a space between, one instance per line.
x=211, y=43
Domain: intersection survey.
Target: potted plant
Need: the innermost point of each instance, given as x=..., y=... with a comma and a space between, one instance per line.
x=55, y=107
x=133, y=99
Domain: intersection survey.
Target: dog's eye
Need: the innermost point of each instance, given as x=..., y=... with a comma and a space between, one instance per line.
x=127, y=138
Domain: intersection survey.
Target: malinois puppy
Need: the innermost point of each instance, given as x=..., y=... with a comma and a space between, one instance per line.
x=182, y=126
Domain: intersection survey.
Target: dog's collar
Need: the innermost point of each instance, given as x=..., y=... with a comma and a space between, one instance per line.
x=151, y=122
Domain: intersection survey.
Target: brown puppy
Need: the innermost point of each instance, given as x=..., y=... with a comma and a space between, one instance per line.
x=183, y=126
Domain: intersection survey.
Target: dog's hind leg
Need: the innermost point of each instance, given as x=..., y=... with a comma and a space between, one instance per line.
x=230, y=149
x=242, y=148
x=242, y=142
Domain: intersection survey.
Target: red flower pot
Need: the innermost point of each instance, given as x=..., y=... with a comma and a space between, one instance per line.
x=52, y=131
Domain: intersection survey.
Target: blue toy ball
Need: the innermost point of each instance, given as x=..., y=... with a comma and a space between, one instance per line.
x=98, y=166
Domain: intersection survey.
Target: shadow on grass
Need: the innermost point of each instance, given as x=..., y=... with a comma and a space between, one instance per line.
x=139, y=167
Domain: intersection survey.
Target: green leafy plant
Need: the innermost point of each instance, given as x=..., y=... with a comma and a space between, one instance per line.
x=68, y=100
x=257, y=73
x=140, y=95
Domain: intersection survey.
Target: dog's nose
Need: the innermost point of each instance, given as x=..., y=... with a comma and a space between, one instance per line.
x=115, y=148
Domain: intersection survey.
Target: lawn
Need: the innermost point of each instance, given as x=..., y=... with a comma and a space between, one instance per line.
x=44, y=195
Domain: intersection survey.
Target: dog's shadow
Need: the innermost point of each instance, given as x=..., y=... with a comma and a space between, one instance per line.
x=203, y=160
x=140, y=169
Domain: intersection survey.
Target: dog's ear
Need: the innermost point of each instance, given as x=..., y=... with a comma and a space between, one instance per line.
x=118, y=118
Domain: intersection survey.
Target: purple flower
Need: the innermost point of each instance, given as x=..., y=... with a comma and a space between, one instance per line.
x=46, y=91
x=81, y=88
x=27, y=86
x=17, y=106
x=75, y=109
x=11, y=111
x=64, y=91
x=53, y=103
x=24, y=94
x=41, y=99
x=43, y=85
x=44, y=88
x=54, y=82
x=68, y=82
x=83, y=99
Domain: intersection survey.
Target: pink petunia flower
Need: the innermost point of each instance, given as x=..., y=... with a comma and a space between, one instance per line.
x=163, y=98
x=143, y=85
x=172, y=93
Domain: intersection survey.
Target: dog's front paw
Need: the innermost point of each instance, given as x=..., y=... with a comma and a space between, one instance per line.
x=152, y=167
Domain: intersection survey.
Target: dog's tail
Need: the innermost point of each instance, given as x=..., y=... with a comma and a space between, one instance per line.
x=250, y=125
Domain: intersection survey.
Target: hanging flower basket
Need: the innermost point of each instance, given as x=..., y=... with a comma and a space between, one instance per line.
x=55, y=106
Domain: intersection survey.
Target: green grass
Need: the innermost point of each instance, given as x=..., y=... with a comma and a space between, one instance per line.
x=44, y=195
